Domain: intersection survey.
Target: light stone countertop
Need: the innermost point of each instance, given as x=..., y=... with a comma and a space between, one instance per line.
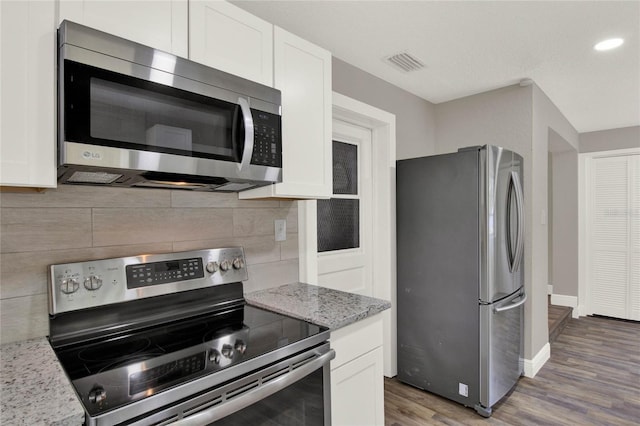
x=33, y=388
x=317, y=305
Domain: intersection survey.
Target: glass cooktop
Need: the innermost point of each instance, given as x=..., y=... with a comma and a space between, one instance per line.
x=208, y=342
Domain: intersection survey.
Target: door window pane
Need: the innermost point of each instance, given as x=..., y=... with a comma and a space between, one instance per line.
x=345, y=168
x=338, y=224
x=339, y=217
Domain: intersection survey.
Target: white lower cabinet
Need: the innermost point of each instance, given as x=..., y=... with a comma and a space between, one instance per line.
x=357, y=380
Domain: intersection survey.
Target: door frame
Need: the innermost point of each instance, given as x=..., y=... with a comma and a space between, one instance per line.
x=383, y=154
x=584, y=201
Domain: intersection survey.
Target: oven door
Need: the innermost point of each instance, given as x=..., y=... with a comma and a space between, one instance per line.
x=295, y=391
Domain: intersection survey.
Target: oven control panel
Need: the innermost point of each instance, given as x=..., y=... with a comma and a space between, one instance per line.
x=81, y=285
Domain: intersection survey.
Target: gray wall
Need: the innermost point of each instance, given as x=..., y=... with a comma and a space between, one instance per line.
x=605, y=140
x=563, y=270
x=76, y=223
x=415, y=117
x=547, y=124
x=518, y=118
x=563, y=214
x=500, y=117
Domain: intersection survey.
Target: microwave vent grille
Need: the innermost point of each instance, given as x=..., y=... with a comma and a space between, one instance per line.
x=93, y=177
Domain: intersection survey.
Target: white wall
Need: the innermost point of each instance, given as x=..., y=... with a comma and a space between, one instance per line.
x=606, y=140
x=415, y=117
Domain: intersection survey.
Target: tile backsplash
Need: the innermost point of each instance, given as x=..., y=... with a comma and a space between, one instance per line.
x=77, y=223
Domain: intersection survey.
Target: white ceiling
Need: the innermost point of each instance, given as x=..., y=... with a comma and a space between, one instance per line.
x=472, y=47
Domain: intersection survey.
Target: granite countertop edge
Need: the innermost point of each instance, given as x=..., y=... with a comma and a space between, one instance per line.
x=318, y=305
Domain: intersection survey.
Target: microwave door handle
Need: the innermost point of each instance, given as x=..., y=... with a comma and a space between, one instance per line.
x=247, y=152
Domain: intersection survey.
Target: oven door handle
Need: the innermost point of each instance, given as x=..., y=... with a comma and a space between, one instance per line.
x=251, y=397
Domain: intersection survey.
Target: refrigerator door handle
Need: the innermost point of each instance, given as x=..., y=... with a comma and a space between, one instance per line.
x=520, y=234
x=520, y=302
x=515, y=253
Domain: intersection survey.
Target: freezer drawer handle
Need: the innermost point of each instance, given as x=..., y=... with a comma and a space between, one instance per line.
x=513, y=305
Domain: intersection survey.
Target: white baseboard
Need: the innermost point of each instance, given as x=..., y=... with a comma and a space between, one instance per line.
x=570, y=301
x=532, y=366
x=549, y=289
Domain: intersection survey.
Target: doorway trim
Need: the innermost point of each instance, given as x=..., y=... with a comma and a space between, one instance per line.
x=383, y=154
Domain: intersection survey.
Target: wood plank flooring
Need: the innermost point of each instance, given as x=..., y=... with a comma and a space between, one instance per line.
x=559, y=317
x=592, y=378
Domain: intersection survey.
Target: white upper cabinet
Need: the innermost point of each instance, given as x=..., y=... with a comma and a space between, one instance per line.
x=230, y=39
x=161, y=24
x=27, y=94
x=214, y=33
x=302, y=72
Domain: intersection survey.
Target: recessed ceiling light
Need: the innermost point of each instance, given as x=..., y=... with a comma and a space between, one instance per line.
x=609, y=44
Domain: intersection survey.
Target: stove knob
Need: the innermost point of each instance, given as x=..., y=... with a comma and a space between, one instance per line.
x=214, y=356
x=212, y=267
x=225, y=265
x=69, y=285
x=241, y=346
x=97, y=395
x=92, y=282
x=227, y=351
x=238, y=263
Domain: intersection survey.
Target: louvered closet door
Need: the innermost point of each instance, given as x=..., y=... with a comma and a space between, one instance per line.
x=634, y=259
x=614, y=237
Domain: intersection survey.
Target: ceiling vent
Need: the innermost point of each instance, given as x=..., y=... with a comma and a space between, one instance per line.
x=405, y=61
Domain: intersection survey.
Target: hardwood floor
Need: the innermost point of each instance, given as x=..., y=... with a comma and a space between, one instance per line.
x=559, y=317
x=592, y=378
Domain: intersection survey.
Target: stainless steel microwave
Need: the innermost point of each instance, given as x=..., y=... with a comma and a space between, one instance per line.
x=130, y=115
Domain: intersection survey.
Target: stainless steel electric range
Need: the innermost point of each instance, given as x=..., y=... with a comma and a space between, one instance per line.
x=168, y=339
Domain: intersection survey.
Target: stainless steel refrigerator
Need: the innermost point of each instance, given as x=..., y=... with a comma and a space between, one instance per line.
x=460, y=227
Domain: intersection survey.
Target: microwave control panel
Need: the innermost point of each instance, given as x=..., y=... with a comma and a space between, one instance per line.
x=267, y=143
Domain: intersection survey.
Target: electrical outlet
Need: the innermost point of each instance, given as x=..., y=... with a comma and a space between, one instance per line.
x=281, y=229
x=463, y=389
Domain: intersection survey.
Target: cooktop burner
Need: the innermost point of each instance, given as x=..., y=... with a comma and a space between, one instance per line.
x=117, y=350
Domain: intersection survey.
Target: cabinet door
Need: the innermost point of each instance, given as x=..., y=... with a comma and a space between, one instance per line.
x=230, y=39
x=27, y=74
x=303, y=75
x=357, y=391
x=161, y=24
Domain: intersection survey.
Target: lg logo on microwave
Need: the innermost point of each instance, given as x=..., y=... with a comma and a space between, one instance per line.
x=92, y=155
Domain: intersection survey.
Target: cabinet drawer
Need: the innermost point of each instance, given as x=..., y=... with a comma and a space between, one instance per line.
x=356, y=339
